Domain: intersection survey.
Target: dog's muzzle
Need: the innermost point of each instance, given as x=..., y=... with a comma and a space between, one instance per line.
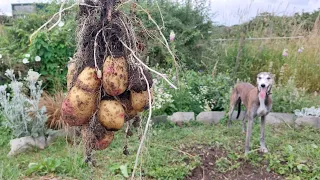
x=268, y=88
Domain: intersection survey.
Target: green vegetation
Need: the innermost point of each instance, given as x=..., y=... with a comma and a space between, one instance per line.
x=206, y=75
x=293, y=153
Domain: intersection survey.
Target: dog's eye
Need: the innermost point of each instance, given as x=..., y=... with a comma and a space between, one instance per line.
x=268, y=78
x=259, y=77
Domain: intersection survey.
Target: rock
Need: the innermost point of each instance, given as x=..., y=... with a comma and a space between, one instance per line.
x=181, y=117
x=20, y=145
x=280, y=118
x=23, y=144
x=210, y=117
x=308, y=120
x=159, y=119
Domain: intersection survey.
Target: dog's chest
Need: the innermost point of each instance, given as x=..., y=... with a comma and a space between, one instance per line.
x=262, y=109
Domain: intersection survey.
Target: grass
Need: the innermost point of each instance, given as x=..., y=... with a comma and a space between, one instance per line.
x=293, y=153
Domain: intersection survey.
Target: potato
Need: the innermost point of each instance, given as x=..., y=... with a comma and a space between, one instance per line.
x=105, y=141
x=88, y=80
x=78, y=106
x=111, y=114
x=70, y=74
x=115, y=76
x=130, y=114
x=140, y=101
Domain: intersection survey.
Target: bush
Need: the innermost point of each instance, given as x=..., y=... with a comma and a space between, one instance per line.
x=54, y=47
x=288, y=98
x=196, y=92
x=20, y=105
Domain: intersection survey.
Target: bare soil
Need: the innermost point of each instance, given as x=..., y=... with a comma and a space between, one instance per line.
x=209, y=170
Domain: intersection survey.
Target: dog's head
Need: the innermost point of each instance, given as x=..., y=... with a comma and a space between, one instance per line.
x=264, y=82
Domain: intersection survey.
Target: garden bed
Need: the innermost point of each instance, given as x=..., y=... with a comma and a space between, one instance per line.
x=174, y=152
x=214, y=165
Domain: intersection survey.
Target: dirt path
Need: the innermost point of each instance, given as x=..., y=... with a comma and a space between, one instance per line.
x=215, y=165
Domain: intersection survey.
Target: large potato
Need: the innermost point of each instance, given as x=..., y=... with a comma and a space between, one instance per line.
x=70, y=74
x=111, y=114
x=140, y=101
x=88, y=80
x=78, y=106
x=115, y=76
x=103, y=143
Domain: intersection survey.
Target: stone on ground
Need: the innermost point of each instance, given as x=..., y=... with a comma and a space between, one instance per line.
x=181, y=117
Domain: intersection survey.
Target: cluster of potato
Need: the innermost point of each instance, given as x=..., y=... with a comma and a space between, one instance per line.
x=81, y=102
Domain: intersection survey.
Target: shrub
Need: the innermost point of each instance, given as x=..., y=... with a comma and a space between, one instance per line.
x=52, y=48
x=197, y=91
x=288, y=98
x=20, y=107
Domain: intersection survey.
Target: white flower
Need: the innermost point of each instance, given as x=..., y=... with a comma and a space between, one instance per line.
x=61, y=23
x=9, y=73
x=16, y=86
x=3, y=88
x=0, y=56
x=300, y=50
x=27, y=55
x=37, y=58
x=32, y=76
x=25, y=61
x=155, y=81
x=285, y=52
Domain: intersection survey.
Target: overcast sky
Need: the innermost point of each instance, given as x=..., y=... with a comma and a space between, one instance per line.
x=229, y=12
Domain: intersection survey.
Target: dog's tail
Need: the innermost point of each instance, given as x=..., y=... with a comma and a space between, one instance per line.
x=239, y=108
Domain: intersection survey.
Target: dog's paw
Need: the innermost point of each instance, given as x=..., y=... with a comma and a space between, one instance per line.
x=263, y=150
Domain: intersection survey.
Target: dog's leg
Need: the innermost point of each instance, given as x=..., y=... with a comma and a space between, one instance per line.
x=263, y=147
x=233, y=100
x=249, y=131
x=244, y=122
x=230, y=115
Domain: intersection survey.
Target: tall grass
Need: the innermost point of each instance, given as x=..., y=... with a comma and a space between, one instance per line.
x=259, y=55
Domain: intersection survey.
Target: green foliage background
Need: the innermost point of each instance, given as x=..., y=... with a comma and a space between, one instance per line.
x=193, y=47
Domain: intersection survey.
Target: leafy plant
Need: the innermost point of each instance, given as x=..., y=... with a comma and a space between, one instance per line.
x=53, y=48
x=5, y=132
x=20, y=109
x=197, y=92
x=287, y=162
x=288, y=98
x=118, y=168
x=48, y=165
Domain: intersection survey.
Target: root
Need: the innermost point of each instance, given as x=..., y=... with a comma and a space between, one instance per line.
x=146, y=127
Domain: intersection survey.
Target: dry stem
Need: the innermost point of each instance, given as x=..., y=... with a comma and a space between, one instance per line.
x=154, y=71
x=53, y=16
x=60, y=16
x=147, y=125
x=62, y=10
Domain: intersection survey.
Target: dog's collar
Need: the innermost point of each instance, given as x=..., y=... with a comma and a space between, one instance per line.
x=269, y=91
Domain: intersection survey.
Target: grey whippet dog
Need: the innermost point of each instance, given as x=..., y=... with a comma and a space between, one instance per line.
x=258, y=103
